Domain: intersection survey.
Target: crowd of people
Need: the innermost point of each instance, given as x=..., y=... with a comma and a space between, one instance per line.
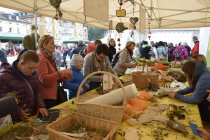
x=35, y=76
x=166, y=51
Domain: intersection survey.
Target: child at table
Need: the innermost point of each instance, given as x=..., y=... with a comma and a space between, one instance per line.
x=72, y=84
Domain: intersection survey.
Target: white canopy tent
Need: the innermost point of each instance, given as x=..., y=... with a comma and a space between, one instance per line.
x=163, y=13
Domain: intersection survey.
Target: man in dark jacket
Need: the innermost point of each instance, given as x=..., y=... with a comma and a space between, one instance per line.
x=145, y=50
x=3, y=55
x=80, y=47
x=21, y=80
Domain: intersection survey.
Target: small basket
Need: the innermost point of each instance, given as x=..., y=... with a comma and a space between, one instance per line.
x=107, y=112
x=55, y=129
x=141, y=79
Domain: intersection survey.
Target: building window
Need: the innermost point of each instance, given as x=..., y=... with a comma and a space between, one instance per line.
x=0, y=29
x=10, y=29
x=18, y=30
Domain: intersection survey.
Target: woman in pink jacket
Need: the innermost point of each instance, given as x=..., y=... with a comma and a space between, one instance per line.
x=48, y=73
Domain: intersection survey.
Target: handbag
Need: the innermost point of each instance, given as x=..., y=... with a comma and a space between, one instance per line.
x=61, y=94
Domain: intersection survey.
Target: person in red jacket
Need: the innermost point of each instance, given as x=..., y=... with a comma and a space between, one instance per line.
x=195, y=49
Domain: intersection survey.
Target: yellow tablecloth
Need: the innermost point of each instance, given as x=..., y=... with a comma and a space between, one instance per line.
x=146, y=130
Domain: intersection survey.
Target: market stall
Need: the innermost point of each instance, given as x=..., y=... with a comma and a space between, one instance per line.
x=161, y=118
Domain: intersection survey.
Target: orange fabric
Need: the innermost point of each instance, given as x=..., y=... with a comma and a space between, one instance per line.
x=48, y=77
x=143, y=95
x=138, y=104
x=160, y=66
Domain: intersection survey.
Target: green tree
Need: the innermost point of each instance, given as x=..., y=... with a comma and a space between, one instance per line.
x=95, y=33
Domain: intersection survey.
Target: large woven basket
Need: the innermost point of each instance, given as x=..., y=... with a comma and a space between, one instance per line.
x=55, y=129
x=107, y=112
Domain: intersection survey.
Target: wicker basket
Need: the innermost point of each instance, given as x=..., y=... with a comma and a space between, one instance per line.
x=55, y=129
x=107, y=112
x=141, y=79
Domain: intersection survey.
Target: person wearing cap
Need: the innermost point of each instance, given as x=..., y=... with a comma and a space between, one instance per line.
x=195, y=49
x=21, y=80
x=73, y=83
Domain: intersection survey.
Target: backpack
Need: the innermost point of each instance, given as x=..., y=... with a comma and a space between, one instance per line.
x=115, y=59
x=180, y=53
x=177, y=54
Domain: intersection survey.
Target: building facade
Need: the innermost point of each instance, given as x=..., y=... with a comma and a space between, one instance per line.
x=21, y=22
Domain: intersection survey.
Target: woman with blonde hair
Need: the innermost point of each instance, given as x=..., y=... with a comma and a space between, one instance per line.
x=125, y=59
x=112, y=50
x=49, y=76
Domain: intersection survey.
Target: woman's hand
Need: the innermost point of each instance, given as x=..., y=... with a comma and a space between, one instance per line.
x=24, y=113
x=204, y=134
x=42, y=111
x=65, y=74
x=87, y=86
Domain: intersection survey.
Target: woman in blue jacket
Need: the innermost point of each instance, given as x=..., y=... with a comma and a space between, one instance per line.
x=72, y=84
x=199, y=79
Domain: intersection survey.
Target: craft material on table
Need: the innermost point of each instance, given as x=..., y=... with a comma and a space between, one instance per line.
x=115, y=96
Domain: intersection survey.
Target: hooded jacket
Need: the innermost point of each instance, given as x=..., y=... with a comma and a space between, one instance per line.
x=199, y=92
x=183, y=53
x=27, y=93
x=73, y=84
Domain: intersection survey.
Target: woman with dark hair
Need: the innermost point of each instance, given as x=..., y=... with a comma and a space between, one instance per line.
x=125, y=59
x=97, y=61
x=198, y=78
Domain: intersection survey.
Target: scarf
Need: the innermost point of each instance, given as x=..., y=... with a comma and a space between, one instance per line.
x=130, y=52
x=51, y=57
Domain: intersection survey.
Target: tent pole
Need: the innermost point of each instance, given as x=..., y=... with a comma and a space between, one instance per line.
x=35, y=20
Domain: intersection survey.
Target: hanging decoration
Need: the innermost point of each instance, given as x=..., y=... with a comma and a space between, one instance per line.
x=120, y=27
x=149, y=32
x=150, y=19
x=118, y=40
x=56, y=5
x=122, y=12
x=133, y=21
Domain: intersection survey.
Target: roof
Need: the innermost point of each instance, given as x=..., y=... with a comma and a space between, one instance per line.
x=11, y=36
x=164, y=13
x=12, y=17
